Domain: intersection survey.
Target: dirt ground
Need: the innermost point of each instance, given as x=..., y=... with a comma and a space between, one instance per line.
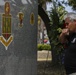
x=44, y=65
x=46, y=68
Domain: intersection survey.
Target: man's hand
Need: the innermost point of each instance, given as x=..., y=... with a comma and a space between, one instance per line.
x=62, y=36
x=65, y=32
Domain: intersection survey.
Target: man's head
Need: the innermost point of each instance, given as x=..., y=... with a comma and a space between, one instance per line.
x=70, y=21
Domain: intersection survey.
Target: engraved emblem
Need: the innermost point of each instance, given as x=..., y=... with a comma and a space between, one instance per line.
x=20, y=16
x=6, y=37
x=32, y=19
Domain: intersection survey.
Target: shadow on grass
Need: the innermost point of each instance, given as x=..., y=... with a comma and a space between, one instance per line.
x=47, y=68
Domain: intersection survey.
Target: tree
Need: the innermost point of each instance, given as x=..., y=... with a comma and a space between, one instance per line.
x=53, y=26
x=57, y=13
x=43, y=14
x=72, y=3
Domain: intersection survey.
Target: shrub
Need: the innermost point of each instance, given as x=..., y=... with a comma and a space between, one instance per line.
x=44, y=47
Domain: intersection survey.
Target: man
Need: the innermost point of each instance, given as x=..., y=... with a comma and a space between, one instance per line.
x=68, y=36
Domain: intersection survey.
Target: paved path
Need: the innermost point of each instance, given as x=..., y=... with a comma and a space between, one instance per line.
x=43, y=55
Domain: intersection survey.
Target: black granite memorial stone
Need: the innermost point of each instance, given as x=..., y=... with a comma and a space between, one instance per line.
x=18, y=37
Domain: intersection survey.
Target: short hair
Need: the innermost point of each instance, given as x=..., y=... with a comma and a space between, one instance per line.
x=71, y=16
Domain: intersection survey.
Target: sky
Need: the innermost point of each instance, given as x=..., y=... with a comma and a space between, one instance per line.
x=67, y=8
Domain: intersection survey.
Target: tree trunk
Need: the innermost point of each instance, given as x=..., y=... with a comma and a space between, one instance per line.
x=46, y=20
x=44, y=17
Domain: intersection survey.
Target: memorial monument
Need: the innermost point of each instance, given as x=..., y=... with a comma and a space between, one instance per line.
x=18, y=37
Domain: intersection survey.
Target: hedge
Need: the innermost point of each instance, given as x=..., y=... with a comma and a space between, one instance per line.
x=44, y=47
